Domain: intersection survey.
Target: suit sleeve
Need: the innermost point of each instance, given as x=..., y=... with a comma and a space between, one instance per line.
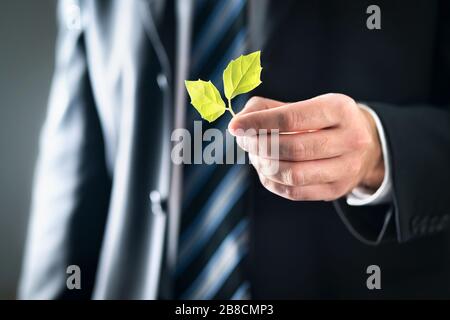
x=418, y=139
x=71, y=188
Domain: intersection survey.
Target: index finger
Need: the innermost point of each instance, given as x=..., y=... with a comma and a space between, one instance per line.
x=313, y=114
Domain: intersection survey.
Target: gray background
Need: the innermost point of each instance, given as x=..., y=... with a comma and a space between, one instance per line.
x=27, y=36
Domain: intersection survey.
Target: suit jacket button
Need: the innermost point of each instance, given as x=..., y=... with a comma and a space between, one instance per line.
x=162, y=81
x=159, y=204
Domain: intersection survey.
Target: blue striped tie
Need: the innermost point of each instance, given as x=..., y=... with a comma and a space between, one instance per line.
x=213, y=242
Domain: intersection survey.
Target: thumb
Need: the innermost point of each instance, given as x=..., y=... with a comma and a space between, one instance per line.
x=259, y=104
x=254, y=104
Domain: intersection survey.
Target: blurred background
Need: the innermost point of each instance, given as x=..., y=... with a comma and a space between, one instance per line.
x=27, y=36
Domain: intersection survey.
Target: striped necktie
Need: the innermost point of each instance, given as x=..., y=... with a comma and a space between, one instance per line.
x=213, y=242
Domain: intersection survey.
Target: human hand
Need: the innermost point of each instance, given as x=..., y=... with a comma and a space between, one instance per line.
x=328, y=145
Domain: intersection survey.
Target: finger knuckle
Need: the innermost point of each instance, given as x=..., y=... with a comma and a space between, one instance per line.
x=360, y=139
x=344, y=99
x=309, y=195
x=343, y=111
x=294, y=150
x=287, y=177
x=290, y=119
x=320, y=146
x=344, y=104
x=292, y=177
x=341, y=99
x=324, y=176
x=327, y=114
x=318, y=176
x=283, y=120
x=300, y=151
x=293, y=193
x=298, y=178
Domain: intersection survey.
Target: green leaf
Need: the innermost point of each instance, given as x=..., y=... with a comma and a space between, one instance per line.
x=206, y=99
x=242, y=75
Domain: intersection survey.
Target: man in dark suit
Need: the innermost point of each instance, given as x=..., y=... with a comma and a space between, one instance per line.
x=377, y=153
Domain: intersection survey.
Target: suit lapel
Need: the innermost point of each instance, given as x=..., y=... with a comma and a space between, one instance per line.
x=152, y=13
x=154, y=9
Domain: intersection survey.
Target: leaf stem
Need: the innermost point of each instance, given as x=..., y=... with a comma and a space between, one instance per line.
x=230, y=108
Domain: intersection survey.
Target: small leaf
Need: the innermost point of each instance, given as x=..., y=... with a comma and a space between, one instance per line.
x=206, y=99
x=242, y=75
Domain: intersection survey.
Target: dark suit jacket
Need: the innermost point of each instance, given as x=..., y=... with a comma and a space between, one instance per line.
x=304, y=250
x=104, y=148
